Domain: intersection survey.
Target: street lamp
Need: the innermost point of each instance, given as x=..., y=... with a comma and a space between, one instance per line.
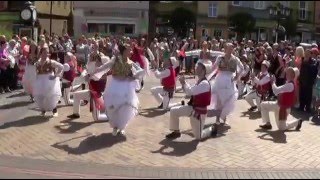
x=29, y=16
x=279, y=12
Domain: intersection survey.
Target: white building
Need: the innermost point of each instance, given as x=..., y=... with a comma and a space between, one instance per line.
x=130, y=18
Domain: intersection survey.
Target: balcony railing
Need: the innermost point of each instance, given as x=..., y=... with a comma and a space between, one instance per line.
x=304, y=16
x=256, y=13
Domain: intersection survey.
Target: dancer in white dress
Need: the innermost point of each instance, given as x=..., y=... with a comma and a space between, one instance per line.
x=30, y=73
x=224, y=90
x=46, y=88
x=120, y=98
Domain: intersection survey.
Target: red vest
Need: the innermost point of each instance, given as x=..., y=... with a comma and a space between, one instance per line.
x=201, y=101
x=71, y=74
x=264, y=88
x=285, y=101
x=170, y=81
x=96, y=88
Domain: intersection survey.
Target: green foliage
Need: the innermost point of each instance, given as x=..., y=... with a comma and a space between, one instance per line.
x=290, y=24
x=5, y=31
x=242, y=23
x=181, y=20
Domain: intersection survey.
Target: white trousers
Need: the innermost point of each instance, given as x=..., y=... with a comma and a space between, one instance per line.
x=162, y=97
x=85, y=95
x=272, y=106
x=97, y=115
x=197, y=125
x=77, y=98
x=67, y=92
x=253, y=96
x=241, y=87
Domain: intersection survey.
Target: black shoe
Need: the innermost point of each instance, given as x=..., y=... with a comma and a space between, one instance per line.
x=59, y=102
x=308, y=110
x=214, y=131
x=74, y=116
x=301, y=109
x=252, y=108
x=85, y=102
x=173, y=135
x=299, y=125
x=182, y=103
x=161, y=106
x=7, y=90
x=266, y=126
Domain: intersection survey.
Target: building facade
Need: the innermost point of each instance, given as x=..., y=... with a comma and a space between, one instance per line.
x=212, y=19
x=10, y=17
x=301, y=11
x=129, y=18
x=317, y=20
x=54, y=16
x=160, y=16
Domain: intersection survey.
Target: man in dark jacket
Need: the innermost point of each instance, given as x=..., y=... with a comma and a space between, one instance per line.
x=308, y=74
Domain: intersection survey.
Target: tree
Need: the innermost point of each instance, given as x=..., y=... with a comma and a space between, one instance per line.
x=181, y=20
x=242, y=23
x=290, y=24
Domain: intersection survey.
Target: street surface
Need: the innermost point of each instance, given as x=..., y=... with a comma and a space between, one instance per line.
x=37, y=147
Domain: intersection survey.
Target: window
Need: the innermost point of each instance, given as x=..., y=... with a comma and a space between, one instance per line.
x=302, y=10
x=236, y=3
x=65, y=4
x=259, y=4
x=285, y=3
x=212, y=11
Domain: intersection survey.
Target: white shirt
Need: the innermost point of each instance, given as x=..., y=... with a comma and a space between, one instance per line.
x=288, y=87
x=264, y=80
x=162, y=74
x=203, y=87
x=246, y=70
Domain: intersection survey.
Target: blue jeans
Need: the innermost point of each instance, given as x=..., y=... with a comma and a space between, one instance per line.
x=188, y=63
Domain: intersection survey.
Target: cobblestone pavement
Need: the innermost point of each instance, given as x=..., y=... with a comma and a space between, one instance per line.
x=242, y=147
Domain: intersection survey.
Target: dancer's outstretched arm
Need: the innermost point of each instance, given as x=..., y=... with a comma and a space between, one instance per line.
x=105, y=67
x=59, y=67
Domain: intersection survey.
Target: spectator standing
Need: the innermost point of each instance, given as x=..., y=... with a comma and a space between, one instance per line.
x=308, y=74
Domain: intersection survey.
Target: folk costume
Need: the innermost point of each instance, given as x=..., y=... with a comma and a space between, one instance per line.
x=120, y=98
x=165, y=92
x=262, y=89
x=281, y=107
x=96, y=88
x=196, y=110
x=46, y=87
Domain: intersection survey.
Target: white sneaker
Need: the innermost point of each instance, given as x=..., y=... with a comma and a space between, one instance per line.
x=122, y=133
x=55, y=114
x=115, y=132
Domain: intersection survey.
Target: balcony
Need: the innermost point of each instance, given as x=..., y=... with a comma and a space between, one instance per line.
x=256, y=13
x=304, y=16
